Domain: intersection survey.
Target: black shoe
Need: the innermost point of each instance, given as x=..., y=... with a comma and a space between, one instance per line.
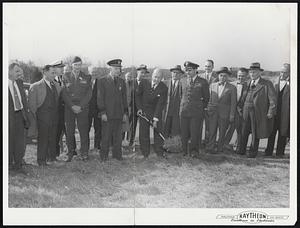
x=251, y=154
x=21, y=171
x=70, y=156
x=42, y=164
x=279, y=156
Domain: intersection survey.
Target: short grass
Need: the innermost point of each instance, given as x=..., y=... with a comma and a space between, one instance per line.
x=213, y=181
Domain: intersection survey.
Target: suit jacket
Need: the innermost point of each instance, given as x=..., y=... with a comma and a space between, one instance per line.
x=150, y=101
x=284, y=115
x=36, y=97
x=25, y=110
x=77, y=91
x=174, y=94
x=239, y=104
x=213, y=78
x=225, y=105
x=93, y=109
x=111, y=97
x=131, y=90
x=194, y=97
x=264, y=99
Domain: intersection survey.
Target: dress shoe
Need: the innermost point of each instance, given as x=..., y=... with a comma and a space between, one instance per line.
x=228, y=147
x=251, y=154
x=21, y=171
x=279, y=156
x=42, y=164
x=70, y=156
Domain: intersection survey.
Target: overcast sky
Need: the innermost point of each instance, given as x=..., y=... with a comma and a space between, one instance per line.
x=153, y=34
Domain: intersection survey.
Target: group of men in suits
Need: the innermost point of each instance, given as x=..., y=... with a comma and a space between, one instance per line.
x=64, y=98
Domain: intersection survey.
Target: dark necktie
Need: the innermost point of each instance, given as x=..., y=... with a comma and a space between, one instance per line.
x=53, y=89
x=191, y=81
x=221, y=83
x=253, y=84
x=17, y=99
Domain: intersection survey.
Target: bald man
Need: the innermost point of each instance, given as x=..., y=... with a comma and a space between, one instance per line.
x=151, y=99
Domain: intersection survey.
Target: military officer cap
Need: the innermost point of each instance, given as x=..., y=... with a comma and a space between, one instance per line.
x=177, y=67
x=142, y=67
x=76, y=59
x=189, y=64
x=243, y=69
x=255, y=66
x=115, y=63
x=58, y=63
x=223, y=70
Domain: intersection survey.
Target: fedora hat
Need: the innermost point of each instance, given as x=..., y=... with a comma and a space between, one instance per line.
x=255, y=66
x=223, y=70
x=142, y=67
x=177, y=67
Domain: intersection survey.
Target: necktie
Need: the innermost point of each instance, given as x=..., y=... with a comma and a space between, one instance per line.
x=253, y=84
x=191, y=81
x=221, y=83
x=17, y=99
x=115, y=81
x=53, y=89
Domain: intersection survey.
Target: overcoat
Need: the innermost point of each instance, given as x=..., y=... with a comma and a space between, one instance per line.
x=264, y=99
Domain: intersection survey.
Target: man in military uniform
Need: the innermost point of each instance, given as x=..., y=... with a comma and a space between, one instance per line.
x=195, y=96
x=210, y=76
x=259, y=108
x=113, y=108
x=151, y=99
x=282, y=117
x=77, y=92
x=61, y=129
x=172, y=120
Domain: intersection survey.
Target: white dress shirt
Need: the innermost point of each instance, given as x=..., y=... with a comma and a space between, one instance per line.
x=282, y=84
x=48, y=83
x=221, y=88
x=12, y=84
x=239, y=88
x=254, y=82
x=208, y=75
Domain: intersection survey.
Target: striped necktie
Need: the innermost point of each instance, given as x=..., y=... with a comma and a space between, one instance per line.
x=17, y=99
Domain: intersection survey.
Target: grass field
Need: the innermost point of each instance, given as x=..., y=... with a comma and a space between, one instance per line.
x=213, y=181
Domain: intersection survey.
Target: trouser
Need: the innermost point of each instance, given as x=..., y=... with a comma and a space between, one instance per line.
x=16, y=139
x=46, y=145
x=132, y=123
x=236, y=125
x=83, y=127
x=247, y=127
x=172, y=126
x=61, y=129
x=206, y=133
x=190, y=129
x=93, y=119
x=215, y=123
x=111, y=131
x=144, y=138
x=281, y=140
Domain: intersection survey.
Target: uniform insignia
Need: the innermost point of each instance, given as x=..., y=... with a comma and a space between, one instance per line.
x=120, y=88
x=158, y=95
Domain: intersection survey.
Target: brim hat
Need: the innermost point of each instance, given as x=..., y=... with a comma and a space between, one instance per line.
x=57, y=63
x=189, y=64
x=142, y=67
x=177, y=67
x=223, y=70
x=115, y=63
x=76, y=59
x=255, y=66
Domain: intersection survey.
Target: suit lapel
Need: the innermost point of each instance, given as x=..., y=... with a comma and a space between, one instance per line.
x=258, y=87
x=224, y=90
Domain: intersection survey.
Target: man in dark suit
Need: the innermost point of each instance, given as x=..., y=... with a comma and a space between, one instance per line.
x=93, y=110
x=77, y=92
x=151, y=99
x=131, y=87
x=241, y=86
x=43, y=103
x=210, y=76
x=61, y=129
x=113, y=107
x=221, y=109
x=18, y=118
x=195, y=96
x=172, y=120
x=259, y=108
x=282, y=117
